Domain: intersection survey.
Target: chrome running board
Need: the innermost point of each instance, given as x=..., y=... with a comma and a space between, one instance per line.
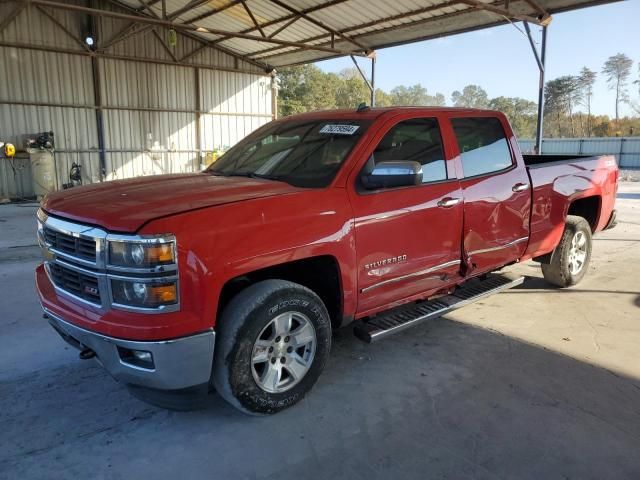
x=406, y=316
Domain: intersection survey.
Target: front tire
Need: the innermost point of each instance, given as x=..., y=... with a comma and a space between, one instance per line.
x=272, y=342
x=570, y=260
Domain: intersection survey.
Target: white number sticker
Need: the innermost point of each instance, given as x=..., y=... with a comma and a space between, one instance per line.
x=339, y=129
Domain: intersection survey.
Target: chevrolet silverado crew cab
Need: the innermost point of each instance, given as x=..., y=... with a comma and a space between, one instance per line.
x=234, y=278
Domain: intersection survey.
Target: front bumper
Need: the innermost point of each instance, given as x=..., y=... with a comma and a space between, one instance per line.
x=177, y=364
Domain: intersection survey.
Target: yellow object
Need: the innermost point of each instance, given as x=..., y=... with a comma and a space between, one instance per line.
x=159, y=253
x=211, y=157
x=173, y=38
x=163, y=293
x=10, y=150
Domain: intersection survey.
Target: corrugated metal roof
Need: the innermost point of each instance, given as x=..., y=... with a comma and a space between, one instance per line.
x=357, y=26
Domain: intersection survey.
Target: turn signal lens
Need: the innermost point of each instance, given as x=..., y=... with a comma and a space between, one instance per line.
x=162, y=253
x=163, y=293
x=144, y=294
x=141, y=254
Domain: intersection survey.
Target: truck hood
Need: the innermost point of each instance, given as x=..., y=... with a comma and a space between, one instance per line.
x=126, y=205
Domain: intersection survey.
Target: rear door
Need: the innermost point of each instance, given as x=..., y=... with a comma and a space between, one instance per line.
x=496, y=191
x=407, y=238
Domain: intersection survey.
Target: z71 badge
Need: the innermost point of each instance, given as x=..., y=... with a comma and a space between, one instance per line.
x=386, y=261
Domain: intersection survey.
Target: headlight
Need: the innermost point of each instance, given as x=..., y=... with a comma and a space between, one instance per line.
x=147, y=254
x=144, y=294
x=143, y=273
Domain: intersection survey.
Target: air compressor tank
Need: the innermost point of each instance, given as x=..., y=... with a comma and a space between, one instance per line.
x=43, y=172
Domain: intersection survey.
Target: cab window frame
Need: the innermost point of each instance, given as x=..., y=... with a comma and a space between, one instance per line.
x=449, y=172
x=512, y=156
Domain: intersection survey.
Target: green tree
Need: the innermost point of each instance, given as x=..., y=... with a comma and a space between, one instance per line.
x=351, y=90
x=586, y=80
x=617, y=69
x=383, y=99
x=306, y=88
x=555, y=104
x=415, y=95
x=472, y=96
x=520, y=112
x=561, y=96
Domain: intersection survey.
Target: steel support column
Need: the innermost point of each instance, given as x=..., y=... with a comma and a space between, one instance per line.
x=97, y=92
x=540, y=60
x=364, y=77
x=373, y=81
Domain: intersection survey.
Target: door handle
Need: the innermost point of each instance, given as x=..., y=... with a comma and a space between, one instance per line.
x=449, y=202
x=520, y=187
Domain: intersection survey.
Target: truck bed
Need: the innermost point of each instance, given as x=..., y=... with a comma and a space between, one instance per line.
x=557, y=181
x=540, y=160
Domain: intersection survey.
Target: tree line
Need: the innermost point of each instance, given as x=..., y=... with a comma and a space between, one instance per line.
x=568, y=99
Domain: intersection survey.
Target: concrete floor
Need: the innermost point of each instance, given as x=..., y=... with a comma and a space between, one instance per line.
x=532, y=383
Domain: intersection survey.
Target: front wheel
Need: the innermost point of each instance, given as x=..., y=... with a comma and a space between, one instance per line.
x=570, y=259
x=272, y=343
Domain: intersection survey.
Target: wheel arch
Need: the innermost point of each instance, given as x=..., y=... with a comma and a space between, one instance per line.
x=321, y=274
x=588, y=207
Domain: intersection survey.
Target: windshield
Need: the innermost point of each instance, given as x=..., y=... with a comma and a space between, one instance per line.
x=303, y=153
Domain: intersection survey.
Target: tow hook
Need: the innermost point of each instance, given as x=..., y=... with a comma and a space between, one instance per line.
x=86, y=354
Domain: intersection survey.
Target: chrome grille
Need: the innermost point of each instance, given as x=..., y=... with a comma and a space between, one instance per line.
x=77, y=246
x=76, y=283
x=77, y=263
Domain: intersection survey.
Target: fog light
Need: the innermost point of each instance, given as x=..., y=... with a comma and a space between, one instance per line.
x=142, y=356
x=137, y=358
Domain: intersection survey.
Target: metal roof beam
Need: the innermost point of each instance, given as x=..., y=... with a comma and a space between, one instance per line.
x=145, y=6
x=287, y=17
x=373, y=23
x=128, y=58
x=400, y=16
x=185, y=27
x=164, y=44
x=318, y=23
x=284, y=26
x=202, y=16
x=12, y=15
x=537, y=6
x=126, y=32
x=197, y=38
x=477, y=4
x=253, y=19
x=62, y=27
x=184, y=9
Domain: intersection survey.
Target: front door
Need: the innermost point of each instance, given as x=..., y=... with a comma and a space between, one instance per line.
x=497, y=197
x=408, y=238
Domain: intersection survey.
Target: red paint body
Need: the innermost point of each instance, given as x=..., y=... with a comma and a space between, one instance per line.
x=230, y=226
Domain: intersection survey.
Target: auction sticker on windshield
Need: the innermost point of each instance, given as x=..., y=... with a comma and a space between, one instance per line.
x=339, y=129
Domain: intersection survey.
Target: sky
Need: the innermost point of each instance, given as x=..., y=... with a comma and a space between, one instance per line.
x=500, y=59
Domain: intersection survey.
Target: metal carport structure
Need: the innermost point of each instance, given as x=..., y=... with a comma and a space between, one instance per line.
x=245, y=37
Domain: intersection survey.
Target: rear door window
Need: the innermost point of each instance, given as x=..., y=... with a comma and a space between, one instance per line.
x=483, y=145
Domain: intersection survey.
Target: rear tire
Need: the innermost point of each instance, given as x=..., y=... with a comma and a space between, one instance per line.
x=570, y=260
x=272, y=343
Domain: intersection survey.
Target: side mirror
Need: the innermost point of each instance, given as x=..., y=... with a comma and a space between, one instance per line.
x=401, y=173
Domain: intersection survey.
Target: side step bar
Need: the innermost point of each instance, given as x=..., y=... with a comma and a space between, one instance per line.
x=406, y=316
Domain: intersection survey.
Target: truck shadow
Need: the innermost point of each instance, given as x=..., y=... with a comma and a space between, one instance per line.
x=540, y=284
x=444, y=399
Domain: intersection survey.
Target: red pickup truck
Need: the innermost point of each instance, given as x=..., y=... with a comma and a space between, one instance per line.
x=235, y=277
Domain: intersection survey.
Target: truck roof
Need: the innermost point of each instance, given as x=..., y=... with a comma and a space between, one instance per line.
x=372, y=113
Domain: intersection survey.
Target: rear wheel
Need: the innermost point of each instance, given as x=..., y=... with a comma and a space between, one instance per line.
x=272, y=343
x=570, y=259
